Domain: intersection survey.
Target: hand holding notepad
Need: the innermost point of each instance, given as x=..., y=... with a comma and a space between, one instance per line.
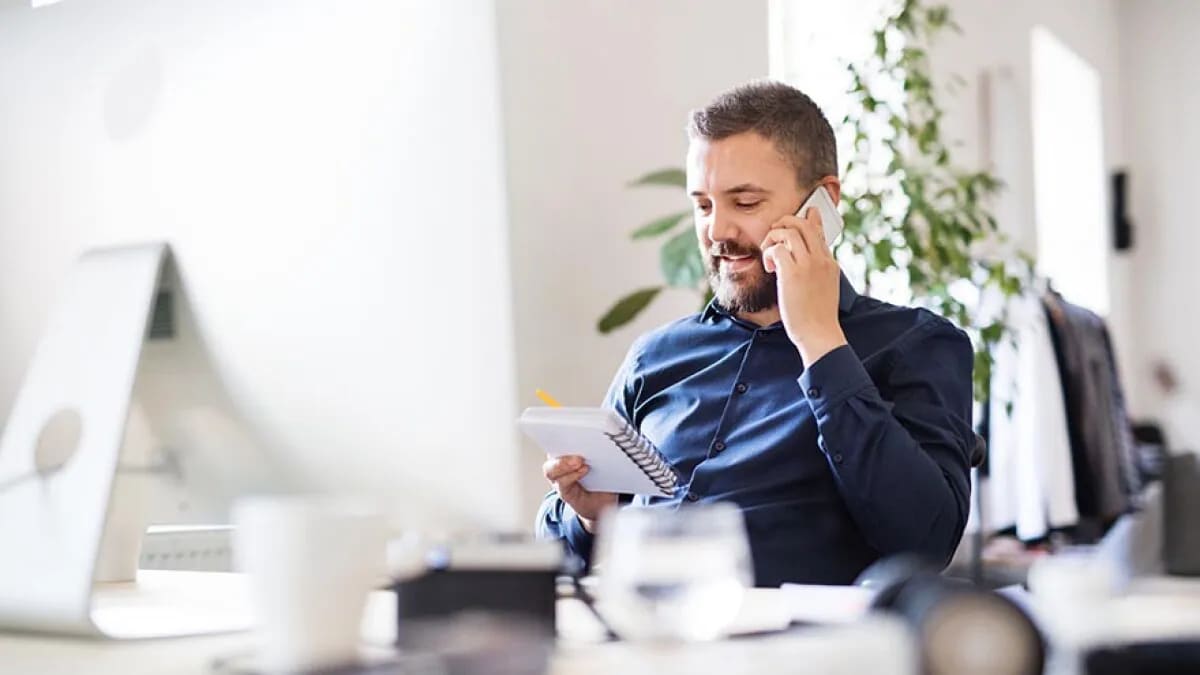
x=619, y=458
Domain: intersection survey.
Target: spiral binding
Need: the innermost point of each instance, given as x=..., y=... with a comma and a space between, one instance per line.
x=643, y=453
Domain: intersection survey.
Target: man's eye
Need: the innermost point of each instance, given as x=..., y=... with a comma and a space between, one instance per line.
x=704, y=208
x=748, y=205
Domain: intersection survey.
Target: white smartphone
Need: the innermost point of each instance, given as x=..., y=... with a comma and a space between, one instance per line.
x=831, y=220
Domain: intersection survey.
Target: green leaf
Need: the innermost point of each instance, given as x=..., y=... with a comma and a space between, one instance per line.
x=659, y=226
x=626, y=309
x=668, y=177
x=937, y=16
x=910, y=55
x=916, y=276
x=883, y=255
x=1010, y=286
x=992, y=333
x=909, y=205
x=983, y=373
x=680, y=261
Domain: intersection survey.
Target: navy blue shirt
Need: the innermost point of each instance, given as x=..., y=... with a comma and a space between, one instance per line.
x=864, y=454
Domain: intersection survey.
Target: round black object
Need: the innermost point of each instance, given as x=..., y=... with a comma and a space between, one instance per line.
x=959, y=628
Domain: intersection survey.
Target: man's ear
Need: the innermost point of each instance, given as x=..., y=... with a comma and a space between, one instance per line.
x=834, y=186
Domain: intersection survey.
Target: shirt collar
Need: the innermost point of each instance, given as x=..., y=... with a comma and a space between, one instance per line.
x=846, y=297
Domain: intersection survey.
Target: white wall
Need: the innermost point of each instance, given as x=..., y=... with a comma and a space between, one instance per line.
x=596, y=92
x=1161, y=89
x=996, y=40
x=997, y=36
x=315, y=165
x=121, y=121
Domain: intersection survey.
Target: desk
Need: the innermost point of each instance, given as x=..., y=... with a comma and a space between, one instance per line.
x=1153, y=608
x=876, y=645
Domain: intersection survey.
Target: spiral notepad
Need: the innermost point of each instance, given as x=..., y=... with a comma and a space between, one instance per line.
x=619, y=458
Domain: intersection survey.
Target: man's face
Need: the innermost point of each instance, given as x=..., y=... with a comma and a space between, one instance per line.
x=739, y=185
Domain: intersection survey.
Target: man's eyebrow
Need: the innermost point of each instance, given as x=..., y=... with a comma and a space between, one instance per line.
x=736, y=189
x=745, y=187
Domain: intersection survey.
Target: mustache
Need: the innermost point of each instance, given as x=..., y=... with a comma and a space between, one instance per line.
x=733, y=249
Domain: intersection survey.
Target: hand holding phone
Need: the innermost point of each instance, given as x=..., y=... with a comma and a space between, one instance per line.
x=808, y=280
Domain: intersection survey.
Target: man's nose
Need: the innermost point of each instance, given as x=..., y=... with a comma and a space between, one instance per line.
x=721, y=228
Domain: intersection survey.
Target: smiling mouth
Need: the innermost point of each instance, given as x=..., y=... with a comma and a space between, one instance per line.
x=736, y=263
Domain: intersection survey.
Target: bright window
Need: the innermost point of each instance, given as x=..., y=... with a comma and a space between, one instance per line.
x=1068, y=167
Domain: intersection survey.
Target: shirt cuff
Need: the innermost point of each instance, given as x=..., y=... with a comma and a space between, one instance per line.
x=834, y=378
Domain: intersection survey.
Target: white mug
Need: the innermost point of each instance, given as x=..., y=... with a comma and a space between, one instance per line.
x=312, y=561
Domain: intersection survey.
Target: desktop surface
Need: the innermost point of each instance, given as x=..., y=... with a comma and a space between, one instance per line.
x=873, y=644
x=879, y=645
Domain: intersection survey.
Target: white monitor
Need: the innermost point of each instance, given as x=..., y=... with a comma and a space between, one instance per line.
x=329, y=177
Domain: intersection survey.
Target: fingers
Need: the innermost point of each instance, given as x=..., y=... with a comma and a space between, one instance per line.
x=564, y=474
x=787, y=237
x=777, y=259
x=568, y=481
x=781, y=247
x=556, y=467
x=770, y=255
x=810, y=229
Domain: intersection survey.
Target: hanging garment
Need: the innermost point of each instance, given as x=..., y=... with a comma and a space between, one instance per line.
x=1103, y=452
x=1031, y=482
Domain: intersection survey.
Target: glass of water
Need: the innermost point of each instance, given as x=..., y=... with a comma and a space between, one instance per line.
x=668, y=574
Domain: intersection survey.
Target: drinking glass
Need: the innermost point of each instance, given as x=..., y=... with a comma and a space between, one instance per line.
x=675, y=574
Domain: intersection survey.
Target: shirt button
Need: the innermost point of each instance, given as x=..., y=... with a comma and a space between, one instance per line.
x=838, y=458
x=719, y=446
x=813, y=392
x=741, y=387
x=692, y=497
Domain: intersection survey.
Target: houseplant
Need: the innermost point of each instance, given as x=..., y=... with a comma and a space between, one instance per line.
x=912, y=215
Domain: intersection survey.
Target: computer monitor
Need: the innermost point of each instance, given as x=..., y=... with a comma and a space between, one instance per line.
x=329, y=178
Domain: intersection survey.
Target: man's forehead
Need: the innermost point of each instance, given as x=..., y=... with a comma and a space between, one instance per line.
x=731, y=166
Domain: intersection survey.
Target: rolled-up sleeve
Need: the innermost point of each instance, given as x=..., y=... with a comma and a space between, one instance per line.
x=901, y=463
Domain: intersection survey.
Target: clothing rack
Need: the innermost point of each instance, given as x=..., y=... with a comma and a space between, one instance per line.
x=1079, y=473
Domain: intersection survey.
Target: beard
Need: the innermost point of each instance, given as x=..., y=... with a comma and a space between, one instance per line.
x=748, y=290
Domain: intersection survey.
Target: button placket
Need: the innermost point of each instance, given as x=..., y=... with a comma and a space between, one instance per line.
x=718, y=444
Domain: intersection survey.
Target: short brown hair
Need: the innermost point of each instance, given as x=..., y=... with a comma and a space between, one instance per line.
x=778, y=112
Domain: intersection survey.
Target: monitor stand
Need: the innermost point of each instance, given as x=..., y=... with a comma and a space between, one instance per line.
x=71, y=523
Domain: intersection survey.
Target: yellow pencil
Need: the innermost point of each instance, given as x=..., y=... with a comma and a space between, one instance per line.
x=547, y=398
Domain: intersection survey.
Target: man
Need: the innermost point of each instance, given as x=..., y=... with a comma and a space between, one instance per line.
x=840, y=425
